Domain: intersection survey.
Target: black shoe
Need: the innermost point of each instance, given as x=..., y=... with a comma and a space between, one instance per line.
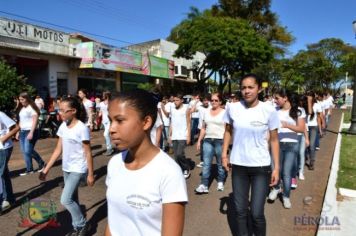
x=41, y=167
x=83, y=231
x=74, y=232
x=26, y=173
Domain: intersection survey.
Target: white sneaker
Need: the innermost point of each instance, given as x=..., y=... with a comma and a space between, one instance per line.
x=273, y=194
x=5, y=205
x=186, y=174
x=301, y=176
x=286, y=203
x=202, y=189
x=220, y=186
x=200, y=165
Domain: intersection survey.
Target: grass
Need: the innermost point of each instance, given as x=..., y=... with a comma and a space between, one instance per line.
x=347, y=116
x=347, y=167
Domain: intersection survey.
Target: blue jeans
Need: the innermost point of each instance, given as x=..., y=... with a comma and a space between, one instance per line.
x=194, y=129
x=28, y=149
x=211, y=148
x=313, y=132
x=7, y=194
x=301, y=156
x=288, y=153
x=107, y=135
x=69, y=197
x=256, y=178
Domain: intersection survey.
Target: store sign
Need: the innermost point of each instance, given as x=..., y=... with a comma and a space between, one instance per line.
x=95, y=55
x=21, y=30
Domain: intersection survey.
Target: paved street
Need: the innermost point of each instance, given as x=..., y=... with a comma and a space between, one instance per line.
x=210, y=214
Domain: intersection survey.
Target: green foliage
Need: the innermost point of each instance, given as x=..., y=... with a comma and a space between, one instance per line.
x=11, y=85
x=230, y=45
x=146, y=86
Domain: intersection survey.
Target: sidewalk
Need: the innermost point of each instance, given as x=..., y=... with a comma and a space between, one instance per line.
x=209, y=215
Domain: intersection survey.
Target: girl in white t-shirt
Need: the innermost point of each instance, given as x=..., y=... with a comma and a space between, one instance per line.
x=253, y=125
x=77, y=162
x=292, y=123
x=212, y=134
x=88, y=105
x=146, y=191
x=104, y=115
x=28, y=114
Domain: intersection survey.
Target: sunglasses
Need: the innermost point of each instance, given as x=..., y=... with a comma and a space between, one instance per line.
x=215, y=100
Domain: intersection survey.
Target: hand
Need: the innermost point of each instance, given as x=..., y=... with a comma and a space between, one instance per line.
x=226, y=163
x=170, y=140
x=274, y=177
x=42, y=176
x=284, y=124
x=307, y=143
x=17, y=136
x=188, y=140
x=30, y=136
x=198, y=145
x=90, y=180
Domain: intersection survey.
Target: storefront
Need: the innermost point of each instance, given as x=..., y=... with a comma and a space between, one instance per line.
x=44, y=56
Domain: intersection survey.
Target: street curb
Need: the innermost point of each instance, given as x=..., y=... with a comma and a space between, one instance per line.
x=329, y=209
x=347, y=192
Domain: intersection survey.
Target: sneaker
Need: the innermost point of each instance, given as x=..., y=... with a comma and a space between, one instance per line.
x=294, y=183
x=5, y=205
x=200, y=165
x=108, y=152
x=83, y=231
x=202, y=189
x=273, y=194
x=317, y=148
x=301, y=176
x=220, y=186
x=186, y=174
x=41, y=168
x=26, y=173
x=286, y=203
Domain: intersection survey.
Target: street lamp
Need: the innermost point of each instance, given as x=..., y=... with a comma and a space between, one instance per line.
x=352, y=129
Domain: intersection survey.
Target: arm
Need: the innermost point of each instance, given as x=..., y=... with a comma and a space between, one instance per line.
x=56, y=153
x=306, y=135
x=173, y=219
x=226, y=143
x=164, y=110
x=87, y=153
x=188, y=126
x=274, y=143
x=201, y=136
x=107, y=230
x=158, y=134
x=320, y=122
x=299, y=128
x=33, y=127
x=13, y=130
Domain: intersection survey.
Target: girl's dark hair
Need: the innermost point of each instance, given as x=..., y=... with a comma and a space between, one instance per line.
x=312, y=94
x=303, y=102
x=253, y=76
x=84, y=91
x=28, y=98
x=142, y=101
x=106, y=95
x=293, y=99
x=75, y=103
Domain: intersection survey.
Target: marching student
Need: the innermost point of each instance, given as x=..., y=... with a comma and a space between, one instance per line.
x=104, y=114
x=77, y=161
x=28, y=114
x=254, y=126
x=8, y=128
x=146, y=191
x=89, y=108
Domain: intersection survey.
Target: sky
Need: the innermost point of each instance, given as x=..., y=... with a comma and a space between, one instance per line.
x=135, y=21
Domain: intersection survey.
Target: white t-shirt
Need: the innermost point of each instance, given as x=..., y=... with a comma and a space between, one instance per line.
x=251, y=128
x=26, y=115
x=104, y=112
x=135, y=197
x=5, y=124
x=202, y=110
x=73, y=156
x=179, y=123
x=153, y=133
x=88, y=105
x=195, y=104
x=215, y=125
x=317, y=109
x=167, y=107
x=285, y=134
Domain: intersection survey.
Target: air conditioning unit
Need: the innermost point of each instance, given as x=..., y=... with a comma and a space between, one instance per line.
x=181, y=71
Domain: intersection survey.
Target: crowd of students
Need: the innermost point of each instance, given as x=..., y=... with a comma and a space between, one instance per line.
x=264, y=144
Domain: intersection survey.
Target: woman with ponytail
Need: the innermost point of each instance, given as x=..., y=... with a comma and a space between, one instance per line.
x=292, y=122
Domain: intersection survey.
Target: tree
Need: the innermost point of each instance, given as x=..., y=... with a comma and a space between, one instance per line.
x=230, y=45
x=11, y=85
x=260, y=17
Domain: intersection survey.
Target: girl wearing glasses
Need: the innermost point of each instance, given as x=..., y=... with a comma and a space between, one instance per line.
x=212, y=131
x=77, y=161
